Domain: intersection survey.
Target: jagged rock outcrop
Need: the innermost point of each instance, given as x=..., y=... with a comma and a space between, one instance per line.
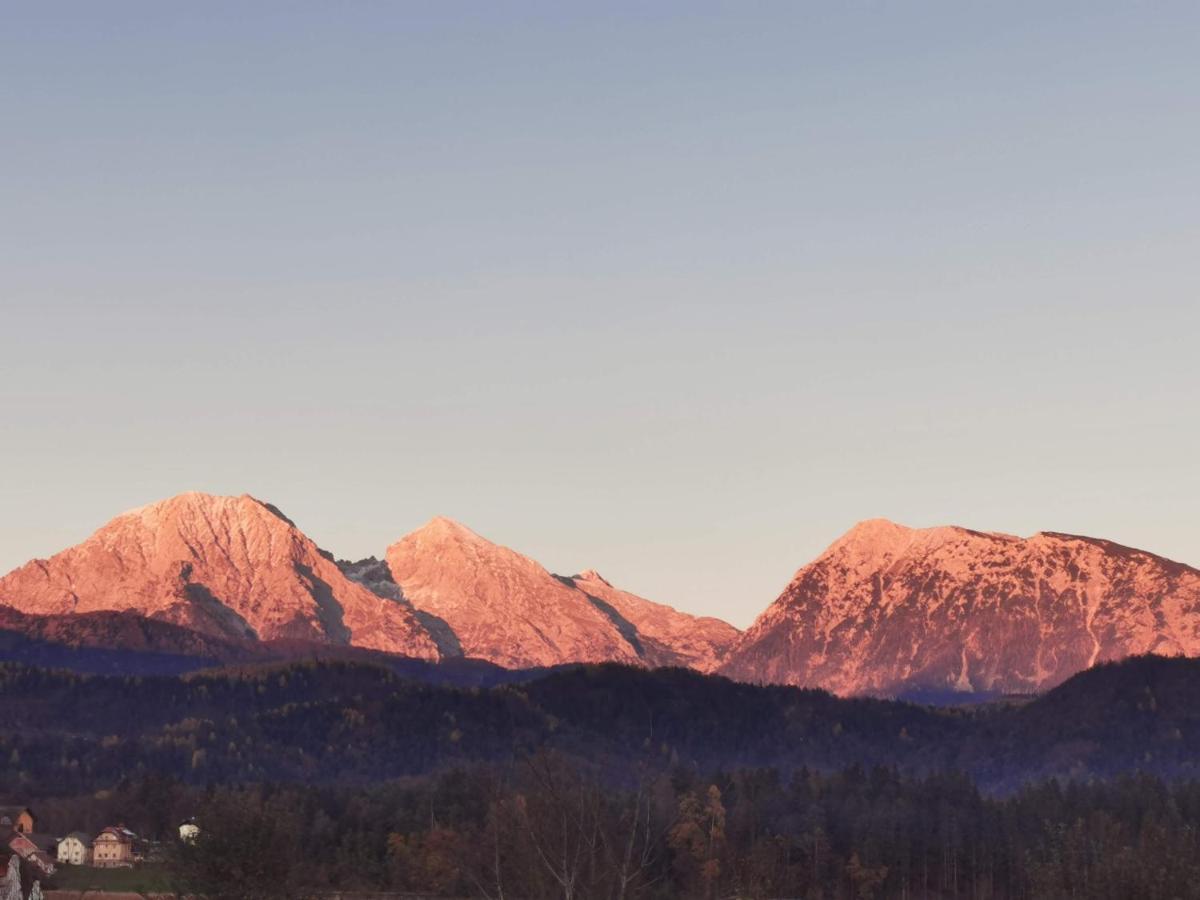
x=888, y=609
x=505, y=608
x=666, y=636
x=231, y=567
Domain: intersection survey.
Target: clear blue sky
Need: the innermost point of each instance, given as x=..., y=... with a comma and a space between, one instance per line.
x=675, y=291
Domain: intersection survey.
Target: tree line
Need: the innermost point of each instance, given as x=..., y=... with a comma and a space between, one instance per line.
x=547, y=827
x=340, y=723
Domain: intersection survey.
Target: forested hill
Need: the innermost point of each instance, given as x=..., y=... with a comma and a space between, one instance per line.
x=341, y=722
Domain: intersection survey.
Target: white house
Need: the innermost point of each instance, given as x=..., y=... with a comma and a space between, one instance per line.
x=188, y=831
x=76, y=849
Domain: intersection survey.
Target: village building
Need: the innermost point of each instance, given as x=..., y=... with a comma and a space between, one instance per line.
x=18, y=837
x=113, y=847
x=75, y=849
x=21, y=845
x=10, y=884
x=16, y=818
x=189, y=831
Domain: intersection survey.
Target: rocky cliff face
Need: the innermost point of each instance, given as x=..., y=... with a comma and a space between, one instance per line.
x=506, y=608
x=665, y=636
x=230, y=567
x=888, y=608
x=500, y=605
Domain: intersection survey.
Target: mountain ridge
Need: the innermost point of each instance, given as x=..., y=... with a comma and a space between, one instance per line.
x=496, y=602
x=887, y=608
x=228, y=567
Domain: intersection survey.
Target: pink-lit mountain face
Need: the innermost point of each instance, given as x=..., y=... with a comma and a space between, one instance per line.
x=505, y=608
x=229, y=567
x=888, y=608
x=204, y=575
x=666, y=636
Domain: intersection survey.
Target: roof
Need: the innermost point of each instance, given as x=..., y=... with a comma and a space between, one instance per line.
x=21, y=845
x=81, y=836
x=119, y=832
x=42, y=841
x=13, y=812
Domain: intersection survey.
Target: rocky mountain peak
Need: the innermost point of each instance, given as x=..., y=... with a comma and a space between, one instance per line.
x=501, y=606
x=887, y=608
x=507, y=608
x=445, y=527
x=591, y=575
x=232, y=567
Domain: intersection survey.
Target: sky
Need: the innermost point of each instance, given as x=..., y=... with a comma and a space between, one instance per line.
x=675, y=291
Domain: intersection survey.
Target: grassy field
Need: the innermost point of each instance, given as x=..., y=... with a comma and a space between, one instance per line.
x=139, y=879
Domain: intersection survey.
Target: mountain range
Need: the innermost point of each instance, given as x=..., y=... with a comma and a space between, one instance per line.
x=886, y=610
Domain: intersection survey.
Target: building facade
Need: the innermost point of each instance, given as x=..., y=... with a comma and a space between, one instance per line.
x=20, y=845
x=16, y=818
x=113, y=847
x=76, y=849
